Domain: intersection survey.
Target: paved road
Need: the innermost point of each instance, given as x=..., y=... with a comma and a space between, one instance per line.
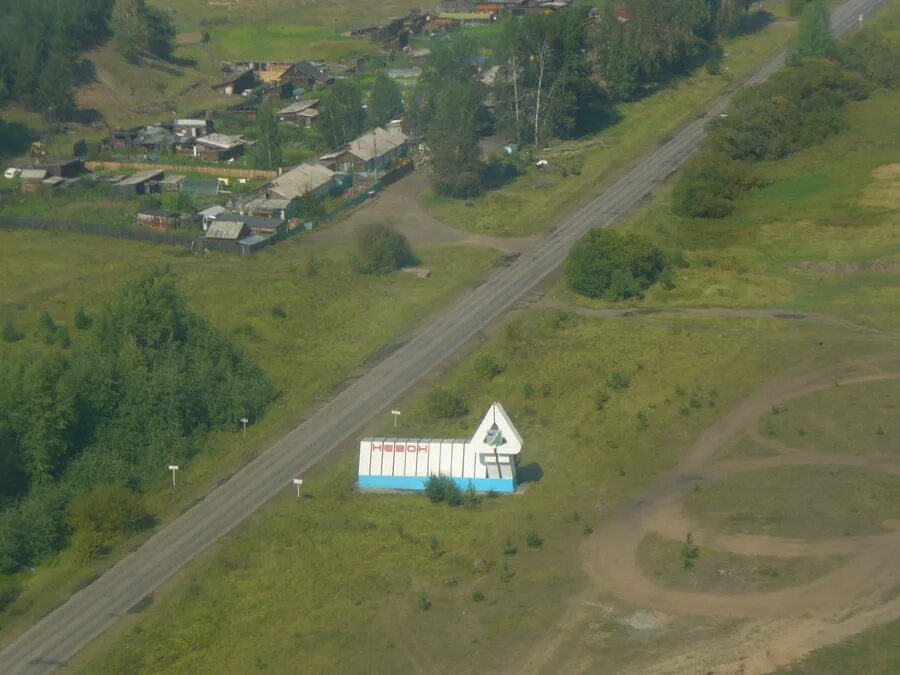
x=65, y=631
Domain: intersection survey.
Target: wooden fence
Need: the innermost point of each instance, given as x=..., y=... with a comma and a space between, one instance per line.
x=227, y=171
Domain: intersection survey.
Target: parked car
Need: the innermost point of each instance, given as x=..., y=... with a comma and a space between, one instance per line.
x=12, y=172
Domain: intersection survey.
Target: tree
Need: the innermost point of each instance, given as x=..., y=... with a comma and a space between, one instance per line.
x=100, y=517
x=381, y=250
x=268, y=146
x=622, y=63
x=55, y=90
x=386, y=102
x=341, y=115
x=814, y=37
x=607, y=264
x=709, y=185
x=140, y=29
x=452, y=139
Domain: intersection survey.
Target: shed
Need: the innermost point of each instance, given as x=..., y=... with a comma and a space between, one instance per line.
x=300, y=112
x=207, y=216
x=225, y=236
x=141, y=182
x=30, y=180
x=256, y=224
x=63, y=168
x=158, y=219
x=171, y=183
x=236, y=83
x=192, y=127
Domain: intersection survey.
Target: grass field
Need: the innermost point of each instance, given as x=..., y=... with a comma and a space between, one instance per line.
x=873, y=653
x=56, y=273
x=810, y=240
x=722, y=572
x=314, y=549
x=808, y=502
x=866, y=423
x=529, y=205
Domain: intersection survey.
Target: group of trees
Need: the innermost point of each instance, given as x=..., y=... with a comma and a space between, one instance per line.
x=129, y=397
x=606, y=264
x=797, y=107
x=40, y=43
x=660, y=38
x=140, y=29
x=381, y=250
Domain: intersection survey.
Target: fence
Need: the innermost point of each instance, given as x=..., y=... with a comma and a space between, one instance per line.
x=227, y=171
x=152, y=236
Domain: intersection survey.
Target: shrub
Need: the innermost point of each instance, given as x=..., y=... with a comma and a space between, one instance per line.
x=445, y=404
x=470, y=497
x=619, y=381
x=443, y=489
x=611, y=265
x=100, y=517
x=533, y=539
x=488, y=367
x=477, y=596
x=9, y=591
x=381, y=250
x=10, y=332
x=708, y=186
x=510, y=548
x=278, y=312
x=600, y=400
x=81, y=319
x=424, y=602
x=50, y=333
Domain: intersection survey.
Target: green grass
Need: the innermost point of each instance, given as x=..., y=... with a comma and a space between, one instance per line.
x=722, y=572
x=521, y=208
x=855, y=419
x=873, y=652
x=810, y=241
x=284, y=42
x=810, y=502
x=57, y=272
x=356, y=563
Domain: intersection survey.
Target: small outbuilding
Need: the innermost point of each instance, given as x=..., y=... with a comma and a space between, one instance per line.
x=301, y=113
x=260, y=225
x=142, y=182
x=219, y=147
x=236, y=83
x=158, y=219
x=63, y=168
x=225, y=236
x=31, y=180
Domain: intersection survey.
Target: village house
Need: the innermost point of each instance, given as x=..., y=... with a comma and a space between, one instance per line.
x=375, y=150
x=191, y=128
x=219, y=147
x=302, y=180
x=236, y=83
x=158, y=219
x=309, y=74
x=300, y=113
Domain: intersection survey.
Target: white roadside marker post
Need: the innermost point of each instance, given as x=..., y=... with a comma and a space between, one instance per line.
x=244, y=421
x=298, y=482
x=396, y=414
x=173, y=468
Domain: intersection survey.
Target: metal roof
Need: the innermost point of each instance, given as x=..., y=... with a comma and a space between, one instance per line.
x=302, y=179
x=212, y=211
x=256, y=222
x=33, y=174
x=299, y=106
x=142, y=177
x=376, y=143
x=221, y=141
x=226, y=230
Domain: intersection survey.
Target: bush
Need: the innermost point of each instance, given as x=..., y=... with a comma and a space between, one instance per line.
x=278, y=312
x=9, y=591
x=445, y=404
x=10, y=332
x=424, y=602
x=50, y=333
x=619, y=381
x=381, y=250
x=707, y=188
x=611, y=265
x=100, y=517
x=488, y=367
x=533, y=539
x=81, y=319
x=443, y=489
x=477, y=596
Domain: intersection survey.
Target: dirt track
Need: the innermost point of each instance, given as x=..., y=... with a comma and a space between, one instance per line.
x=775, y=627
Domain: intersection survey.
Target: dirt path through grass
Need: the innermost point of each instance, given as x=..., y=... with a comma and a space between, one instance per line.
x=778, y=627
x=398, y=206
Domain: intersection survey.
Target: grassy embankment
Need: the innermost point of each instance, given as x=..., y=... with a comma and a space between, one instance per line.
x=336, y=570
x=537, y=199
x=332, y=322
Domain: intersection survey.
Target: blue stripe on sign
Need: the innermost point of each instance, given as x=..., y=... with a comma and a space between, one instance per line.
x=417, y=483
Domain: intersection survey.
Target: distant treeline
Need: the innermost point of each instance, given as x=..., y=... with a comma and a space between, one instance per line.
x=41, y=42
x=798, y=107
x=113, y=408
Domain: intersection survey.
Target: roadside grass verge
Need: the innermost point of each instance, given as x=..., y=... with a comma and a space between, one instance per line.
x=808, y=241
x=854, y=419
x=332, y=321
x=335, y=569
x=873, y=652
x=723, y=572
x=521, y=208
x=807, y=502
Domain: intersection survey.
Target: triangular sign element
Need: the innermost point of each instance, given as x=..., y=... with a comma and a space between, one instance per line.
x=496, y=433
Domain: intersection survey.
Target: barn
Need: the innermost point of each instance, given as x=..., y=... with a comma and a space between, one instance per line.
x=487, y=461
